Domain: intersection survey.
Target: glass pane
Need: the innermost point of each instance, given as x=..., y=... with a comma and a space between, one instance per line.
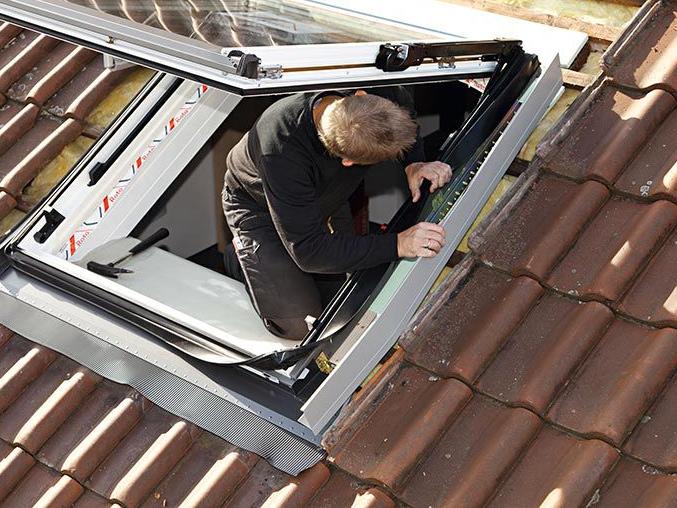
x=237, y=23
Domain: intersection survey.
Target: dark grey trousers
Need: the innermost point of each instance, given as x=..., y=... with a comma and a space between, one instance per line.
x=282, y=294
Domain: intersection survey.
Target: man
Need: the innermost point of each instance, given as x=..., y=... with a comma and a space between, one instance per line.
x=286, y=190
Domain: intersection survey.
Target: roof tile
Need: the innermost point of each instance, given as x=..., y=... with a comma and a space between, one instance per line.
x=93, y=430
x=270, y=488
x=653, y=172
x=14, y=464
x=91, y=500
x=143, y=458
x=538, y=358
x=55, y=410
x=8, y=32
x=80, y=96
x=15, y=121
x=479, y=448
x=618, y=382
x=7, y=203
x=655, y=437
x=462, y=336
x=21, y=363
x=51, y=73
x=37, y=413
x=207, y=475
x=649, y=57
x=653, y=296
x=557, y=470
x=631, y=484
x=605, y=138
x=342, y=490
x=411, y=412
x=613, y=248
x=34, y=150
x=21, y=55
x=42, y=487
x=540, y=225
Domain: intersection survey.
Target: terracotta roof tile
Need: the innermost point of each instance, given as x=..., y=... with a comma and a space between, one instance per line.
x=93, y=430
x=613, y=248
x=653, y=172
x=631, y=484
x=14, y=464
x=618, y=382
x=649, y=57
x=461, y=337
x=91, y=500
x=8, y=32
x=539, y=225
x=270, y=488
x=31, y=419
x=21, y=54
x=393, y=438
x=143, y=458
x=654, y=440
x=80, y=96
x=15, y=121
x=557, y=470
x=61, y=65
x=42, y=487
x=342, y=490
x=536, y=360
x=613, y=128
x=206, y=476
x=22, y=162
x=466, y=465
x=653, y=296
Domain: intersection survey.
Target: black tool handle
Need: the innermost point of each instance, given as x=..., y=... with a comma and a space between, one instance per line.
x=160, y=234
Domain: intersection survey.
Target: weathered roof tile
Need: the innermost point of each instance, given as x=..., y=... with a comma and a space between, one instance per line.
x=342, y=490
x=655, y=437
x=92, y=431
x=14, y=465
x=604, y=139
x=206, y=476
x=43, y=488
x=461, y=337
x=557, y=470
x=540, y=226
x=653, y=296
x=653, y=172
x=270, y=488
x=538, y=358
x=143, y=458
x=631, y=484
x=393, y=439
x=618, y=381
x=466, y=465
x=648, y=57
x=21, y=55
x=613, y=248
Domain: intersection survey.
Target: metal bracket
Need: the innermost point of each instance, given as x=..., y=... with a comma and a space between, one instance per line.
x=248, y=65
x=52, y=221
x=398, y=57
x=115, y=64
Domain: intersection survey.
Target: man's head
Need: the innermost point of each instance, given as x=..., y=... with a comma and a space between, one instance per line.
x=366, y=129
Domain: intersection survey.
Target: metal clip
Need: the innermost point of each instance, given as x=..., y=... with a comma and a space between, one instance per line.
x=446, y=63
x=249, y=65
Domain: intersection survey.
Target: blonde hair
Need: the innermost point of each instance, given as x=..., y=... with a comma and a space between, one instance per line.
x=367, y=129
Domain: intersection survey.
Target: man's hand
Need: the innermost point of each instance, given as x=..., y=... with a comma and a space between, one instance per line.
x=422, y=240
x=437, y=172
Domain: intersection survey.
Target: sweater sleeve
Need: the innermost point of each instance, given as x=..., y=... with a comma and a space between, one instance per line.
x=292, y=201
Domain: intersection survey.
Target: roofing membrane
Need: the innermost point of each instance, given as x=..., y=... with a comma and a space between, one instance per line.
x=541, y=370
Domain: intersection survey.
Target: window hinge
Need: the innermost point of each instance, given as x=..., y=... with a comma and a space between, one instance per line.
x=248, y=65
x=52, y=221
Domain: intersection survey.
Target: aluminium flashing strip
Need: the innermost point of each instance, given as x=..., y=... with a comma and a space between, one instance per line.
x=398, y=299
x=178, y=384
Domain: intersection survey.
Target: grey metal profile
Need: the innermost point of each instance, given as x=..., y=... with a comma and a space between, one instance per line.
x=125, y=355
